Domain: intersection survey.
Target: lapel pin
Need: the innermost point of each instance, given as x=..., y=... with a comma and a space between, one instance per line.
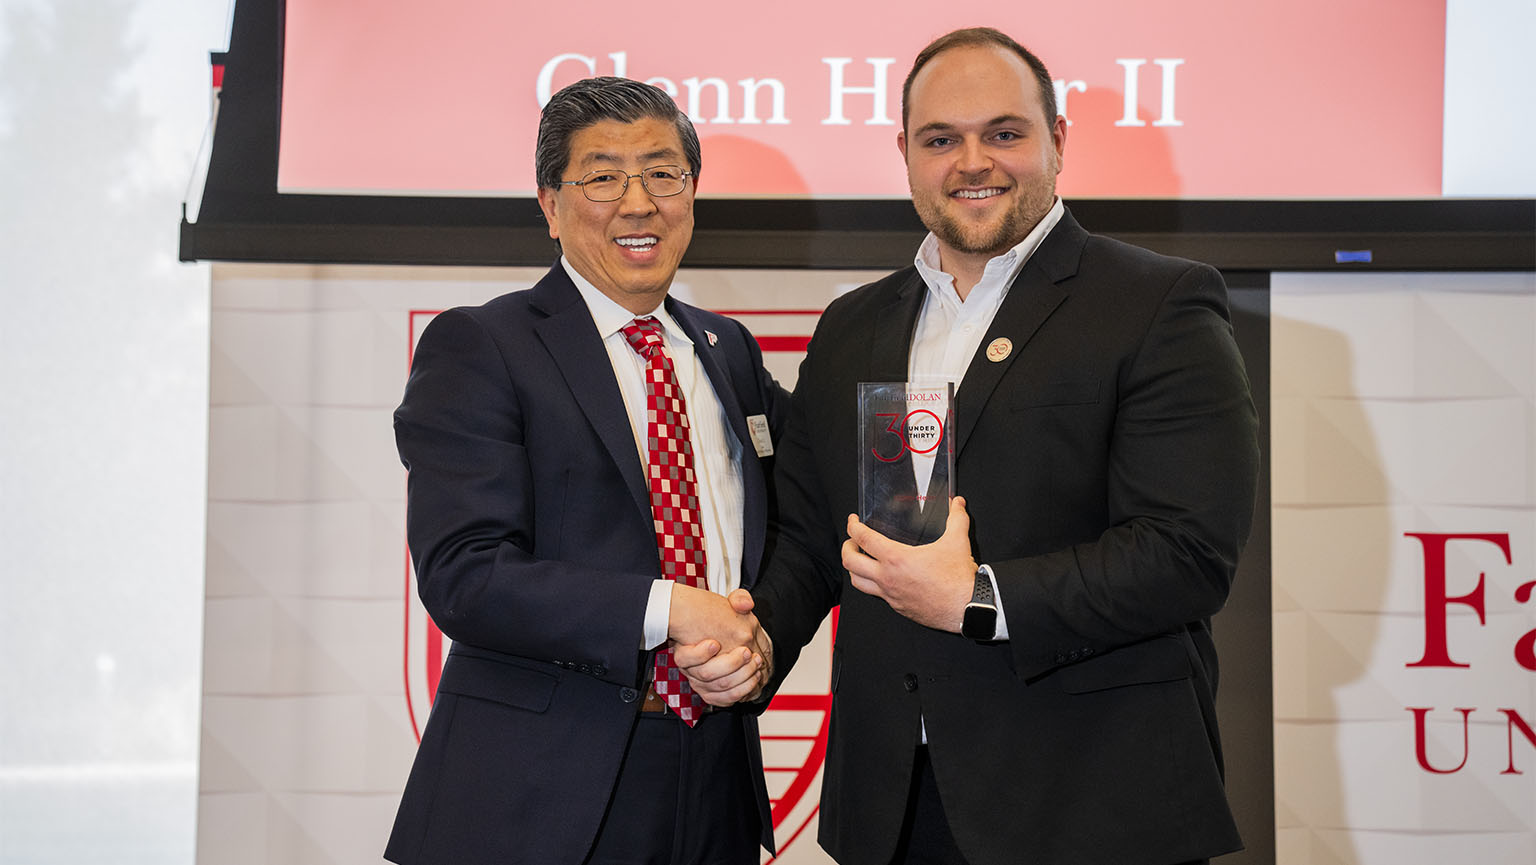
x=999, y=349
x=709, y=335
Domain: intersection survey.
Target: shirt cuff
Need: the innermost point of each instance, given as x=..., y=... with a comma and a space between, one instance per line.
x=1001, y=633
x=658, y=614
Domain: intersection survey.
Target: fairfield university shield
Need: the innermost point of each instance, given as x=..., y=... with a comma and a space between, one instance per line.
x=794, y=728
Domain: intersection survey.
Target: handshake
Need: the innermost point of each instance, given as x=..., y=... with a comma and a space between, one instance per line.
x=727, y=657
x=719, y=645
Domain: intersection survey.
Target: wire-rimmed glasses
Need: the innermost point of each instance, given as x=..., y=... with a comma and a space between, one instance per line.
x=610, y=184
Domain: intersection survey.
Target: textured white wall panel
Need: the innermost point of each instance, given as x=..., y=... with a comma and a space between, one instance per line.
x=308, y=729
x=1402, y=403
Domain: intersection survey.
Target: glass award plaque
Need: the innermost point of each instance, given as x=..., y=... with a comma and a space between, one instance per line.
x=906, y=458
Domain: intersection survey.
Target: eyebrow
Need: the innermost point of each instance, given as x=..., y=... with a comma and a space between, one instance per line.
x=1000, y=120
x=600, y=156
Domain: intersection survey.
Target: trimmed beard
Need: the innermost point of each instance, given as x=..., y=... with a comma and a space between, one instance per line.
x=1015, y=225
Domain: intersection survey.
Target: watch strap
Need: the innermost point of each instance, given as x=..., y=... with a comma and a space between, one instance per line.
x=981, y=593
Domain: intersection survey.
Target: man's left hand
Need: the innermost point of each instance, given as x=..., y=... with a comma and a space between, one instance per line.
x=929, y=584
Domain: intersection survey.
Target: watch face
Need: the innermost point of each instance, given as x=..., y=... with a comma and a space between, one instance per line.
x=979, y=623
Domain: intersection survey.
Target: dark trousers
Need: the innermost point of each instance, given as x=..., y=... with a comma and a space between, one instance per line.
x=925, y=836
x=684, y=796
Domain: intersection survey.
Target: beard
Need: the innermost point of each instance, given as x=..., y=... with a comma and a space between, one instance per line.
x=991, y=237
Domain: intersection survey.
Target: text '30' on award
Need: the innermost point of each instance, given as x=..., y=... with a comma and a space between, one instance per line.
x=906, y=458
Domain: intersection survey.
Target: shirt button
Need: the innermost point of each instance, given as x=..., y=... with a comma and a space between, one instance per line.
x=909, y=682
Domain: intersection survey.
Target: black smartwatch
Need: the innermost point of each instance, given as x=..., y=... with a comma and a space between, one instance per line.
x=980, y=619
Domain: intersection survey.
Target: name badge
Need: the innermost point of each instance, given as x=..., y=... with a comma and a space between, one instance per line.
x=762, y=440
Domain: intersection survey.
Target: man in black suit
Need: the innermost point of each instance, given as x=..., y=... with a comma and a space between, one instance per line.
x=570, y=448
x=1037, y=685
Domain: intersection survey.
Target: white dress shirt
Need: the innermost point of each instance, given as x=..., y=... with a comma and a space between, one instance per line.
x=949, y=330
x=716, y=451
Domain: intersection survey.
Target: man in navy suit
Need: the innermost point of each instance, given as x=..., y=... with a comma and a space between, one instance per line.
x=1038, y=684
x=539, y=518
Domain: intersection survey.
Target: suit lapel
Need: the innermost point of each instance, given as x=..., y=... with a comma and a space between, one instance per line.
x=709, y=361
x=891, y=343
x=1036, y=293
x=754, y=487
x=890, y=351
x=571, y=339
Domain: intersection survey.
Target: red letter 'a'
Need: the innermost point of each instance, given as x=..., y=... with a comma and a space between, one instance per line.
x=1422, y=748
x=1436, y=652
x=1525, y=647
x=1525, y=729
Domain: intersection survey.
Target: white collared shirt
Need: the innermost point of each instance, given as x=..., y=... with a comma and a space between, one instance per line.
x=717, y=453
x=949, y=330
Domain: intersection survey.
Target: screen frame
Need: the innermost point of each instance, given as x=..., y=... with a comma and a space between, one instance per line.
x=242, y=217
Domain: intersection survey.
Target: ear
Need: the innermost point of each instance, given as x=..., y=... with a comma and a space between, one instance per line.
x=1059, y=139
x=901, y=144
x=550, y=205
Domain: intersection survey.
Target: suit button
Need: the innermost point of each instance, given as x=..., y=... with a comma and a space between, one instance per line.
x=628, y=695
x=583, y=668
x=909, y=682
x=599, y=670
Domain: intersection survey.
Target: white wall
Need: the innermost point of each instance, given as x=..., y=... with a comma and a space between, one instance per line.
x=1401, y=403
x=1489, y=79
x=103, y=424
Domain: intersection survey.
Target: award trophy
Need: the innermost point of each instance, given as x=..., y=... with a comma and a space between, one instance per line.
x=906, y=458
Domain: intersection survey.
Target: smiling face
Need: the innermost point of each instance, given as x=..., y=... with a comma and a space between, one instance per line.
x=982, y=157
x=630, y=248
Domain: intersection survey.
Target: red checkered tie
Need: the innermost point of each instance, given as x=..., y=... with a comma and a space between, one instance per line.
x=674, y=497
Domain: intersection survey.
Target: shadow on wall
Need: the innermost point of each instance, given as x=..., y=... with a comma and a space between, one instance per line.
x=1331, y=566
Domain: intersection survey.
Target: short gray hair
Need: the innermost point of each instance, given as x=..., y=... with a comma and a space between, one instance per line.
x=593, y=100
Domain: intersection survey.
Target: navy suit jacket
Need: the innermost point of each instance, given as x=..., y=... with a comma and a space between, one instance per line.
x=529, y=523
x=1109, y=465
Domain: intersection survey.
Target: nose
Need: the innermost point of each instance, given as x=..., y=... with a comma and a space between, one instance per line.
x=636, y=201
x=972, y=157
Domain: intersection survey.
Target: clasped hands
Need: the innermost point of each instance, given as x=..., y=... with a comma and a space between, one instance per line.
x=719, y=645
x=726, y=655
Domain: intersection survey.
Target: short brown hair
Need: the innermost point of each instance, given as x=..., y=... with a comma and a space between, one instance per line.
x=977, y=37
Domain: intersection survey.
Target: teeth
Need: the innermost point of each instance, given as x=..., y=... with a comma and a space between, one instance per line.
x=978, y=193
x=636, y=241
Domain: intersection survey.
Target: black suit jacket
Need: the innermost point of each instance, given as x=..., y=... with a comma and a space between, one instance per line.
x=530, y=526
x=1109, y=465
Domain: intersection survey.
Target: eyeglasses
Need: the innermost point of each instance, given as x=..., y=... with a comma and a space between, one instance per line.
x=610, y=184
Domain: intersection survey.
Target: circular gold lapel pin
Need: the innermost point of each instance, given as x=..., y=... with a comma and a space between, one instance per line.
x=999, y=349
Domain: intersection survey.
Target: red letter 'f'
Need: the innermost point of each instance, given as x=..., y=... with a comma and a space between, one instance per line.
x=1436, y=651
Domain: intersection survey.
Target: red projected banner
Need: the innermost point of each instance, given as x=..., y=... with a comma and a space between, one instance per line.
x=1187, y=98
